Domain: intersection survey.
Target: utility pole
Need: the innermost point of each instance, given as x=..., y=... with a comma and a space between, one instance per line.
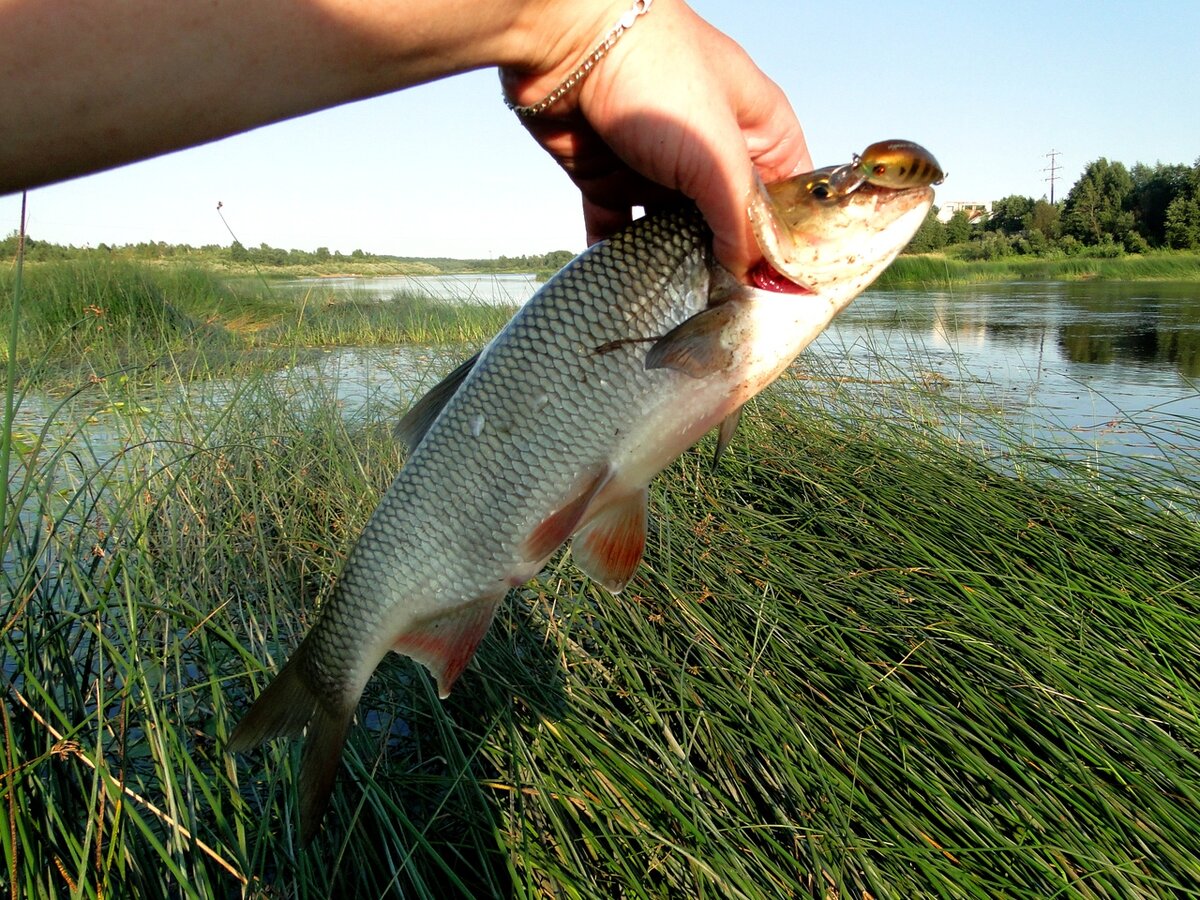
x=1053, y=169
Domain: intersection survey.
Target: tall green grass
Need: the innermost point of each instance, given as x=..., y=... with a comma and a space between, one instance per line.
x=861, y=657
x=936, y=270
x=88, y=319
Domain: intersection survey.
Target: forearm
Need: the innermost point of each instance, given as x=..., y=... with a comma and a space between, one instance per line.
x=88, y=84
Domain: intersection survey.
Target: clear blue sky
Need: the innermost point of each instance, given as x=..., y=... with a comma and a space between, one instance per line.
x=444, y=169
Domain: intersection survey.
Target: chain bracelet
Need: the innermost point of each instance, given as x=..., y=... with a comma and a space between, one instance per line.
x=639, y=8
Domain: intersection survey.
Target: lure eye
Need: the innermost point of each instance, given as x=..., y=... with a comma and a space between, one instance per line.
x=879, y=169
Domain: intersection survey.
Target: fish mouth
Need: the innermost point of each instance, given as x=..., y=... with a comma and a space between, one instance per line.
x=766, y=277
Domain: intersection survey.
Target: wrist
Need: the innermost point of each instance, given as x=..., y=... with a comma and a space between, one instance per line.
x=550, y=42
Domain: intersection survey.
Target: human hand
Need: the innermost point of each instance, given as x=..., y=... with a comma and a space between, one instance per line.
x=675, y=107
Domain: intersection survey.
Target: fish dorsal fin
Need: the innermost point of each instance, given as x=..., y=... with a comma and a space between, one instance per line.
x=610, y=546
x=695, y=347
x=412, y=427
x=725, y=433
x=444, y=644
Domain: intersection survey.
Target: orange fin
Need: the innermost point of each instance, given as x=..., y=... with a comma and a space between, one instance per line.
x=561, y=524
x=610, y=546
x=445, y=644
x=288, y=707
x=694, y=347
x=412, y=427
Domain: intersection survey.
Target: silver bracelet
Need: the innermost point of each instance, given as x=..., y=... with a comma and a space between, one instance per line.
x=639, y=8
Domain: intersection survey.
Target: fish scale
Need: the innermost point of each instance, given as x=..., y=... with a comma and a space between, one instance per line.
x=618, y=364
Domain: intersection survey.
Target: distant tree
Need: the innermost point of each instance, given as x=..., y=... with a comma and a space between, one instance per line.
x=1095, y=209
x=322, y=254
x=1045, y=218
x=556, y=259
x=238, y=253
x=931, y=236
x=958, y=229
x=1155, y=189
x=1181, y=226
x=1009, y=214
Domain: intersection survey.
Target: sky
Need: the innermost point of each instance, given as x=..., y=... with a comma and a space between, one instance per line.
x=445, y=169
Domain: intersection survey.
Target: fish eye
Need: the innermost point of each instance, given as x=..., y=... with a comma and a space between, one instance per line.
x=821, y=191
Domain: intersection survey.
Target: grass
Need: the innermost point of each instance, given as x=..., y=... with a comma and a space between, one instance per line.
x=866, y=657
x=90, y=318
x=930, y=270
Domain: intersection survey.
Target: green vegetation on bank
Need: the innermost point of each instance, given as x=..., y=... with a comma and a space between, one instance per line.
x=277, y=262
x=85, y=318
x=1110, y=211
x=859, y=658
x=942, y=269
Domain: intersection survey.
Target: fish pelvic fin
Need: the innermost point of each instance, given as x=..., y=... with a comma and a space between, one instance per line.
x=609, y=547
x=287, y=708
x=550, y=533
x=725, y=434
x=444, y=644
x=411, y=428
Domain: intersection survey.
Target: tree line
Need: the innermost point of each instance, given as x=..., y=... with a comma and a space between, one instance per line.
x=1111, y=210
x=267, y=256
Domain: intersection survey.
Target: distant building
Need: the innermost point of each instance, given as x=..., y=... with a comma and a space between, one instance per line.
x=975, y=210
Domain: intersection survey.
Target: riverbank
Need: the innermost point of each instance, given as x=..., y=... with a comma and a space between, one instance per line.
x=939, y=270
x=99, y=318
x=863, y=656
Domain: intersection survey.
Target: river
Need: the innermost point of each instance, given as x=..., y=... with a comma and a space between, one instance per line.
x=1080, y=367
x=1101, y=365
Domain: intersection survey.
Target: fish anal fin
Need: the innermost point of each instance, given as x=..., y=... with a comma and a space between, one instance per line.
x=550, y=533
x=610, y=546
x=444, y=644
x=695, y=347
x=725, y=434
x=288, y=707
x=412, y=426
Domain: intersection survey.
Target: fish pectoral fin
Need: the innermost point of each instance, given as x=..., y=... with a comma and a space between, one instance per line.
x=695, y=347
x=289, y=707
x=610, y=546
x=412, y=427
x=725, y=434
x=444, y=644
x=550, y=533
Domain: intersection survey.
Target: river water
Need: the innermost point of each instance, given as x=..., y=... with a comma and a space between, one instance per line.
x=1079, y=367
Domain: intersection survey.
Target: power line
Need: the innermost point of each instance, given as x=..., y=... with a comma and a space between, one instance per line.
x=1053, y=169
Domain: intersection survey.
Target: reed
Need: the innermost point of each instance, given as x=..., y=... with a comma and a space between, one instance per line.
x=937, y=270
x=91, y=318
x=866, y=656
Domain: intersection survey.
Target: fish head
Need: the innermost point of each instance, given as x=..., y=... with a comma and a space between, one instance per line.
x=824, y=233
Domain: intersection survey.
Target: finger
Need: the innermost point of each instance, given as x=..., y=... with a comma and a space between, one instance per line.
x=602, y=222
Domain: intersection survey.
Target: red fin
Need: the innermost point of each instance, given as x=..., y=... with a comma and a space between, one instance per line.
x=561, y=524
x=610, y=546
x=445, y=644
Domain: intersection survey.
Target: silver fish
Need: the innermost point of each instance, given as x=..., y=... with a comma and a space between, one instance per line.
x=617, y=365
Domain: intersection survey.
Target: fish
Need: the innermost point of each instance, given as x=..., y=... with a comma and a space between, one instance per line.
x=898, y=164
x=618, y=364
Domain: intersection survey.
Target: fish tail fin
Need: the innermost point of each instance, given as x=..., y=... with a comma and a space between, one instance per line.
x=288, y=708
